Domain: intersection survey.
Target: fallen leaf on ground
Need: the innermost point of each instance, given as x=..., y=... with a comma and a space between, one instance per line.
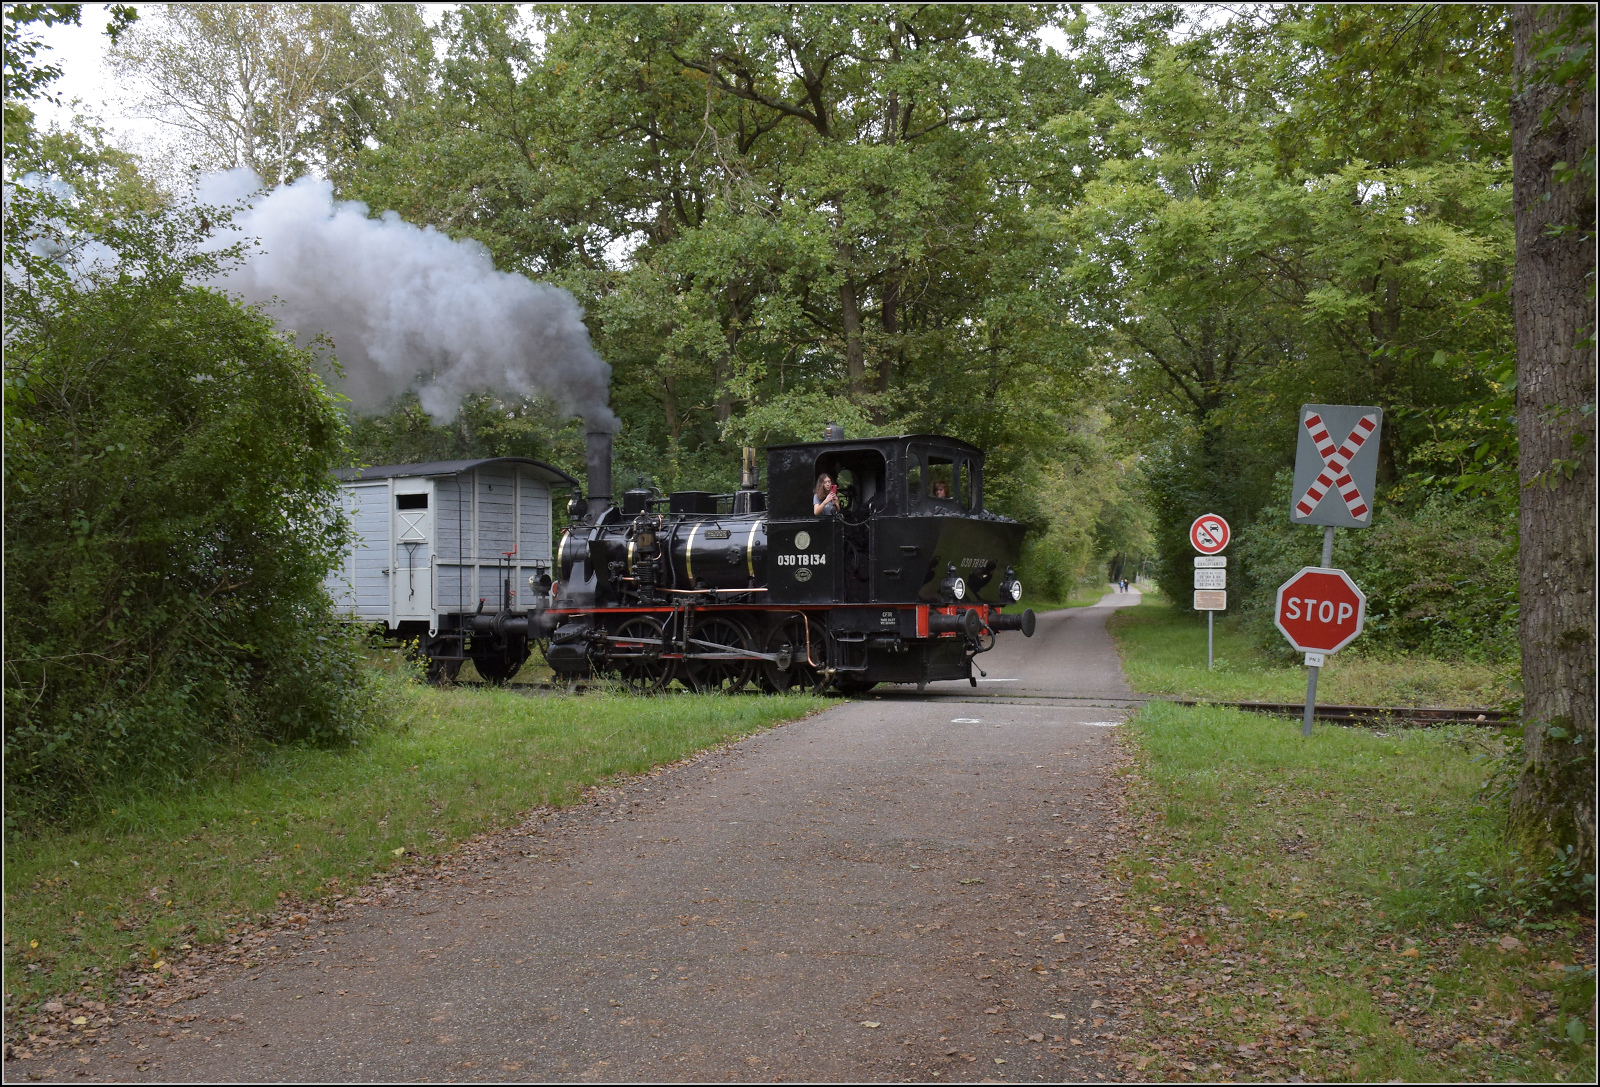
x=870, y=1025
x=1411, y=953
x=1060, y=937
x=1510, y=943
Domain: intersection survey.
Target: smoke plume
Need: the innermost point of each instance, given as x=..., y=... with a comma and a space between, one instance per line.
x=407, y=307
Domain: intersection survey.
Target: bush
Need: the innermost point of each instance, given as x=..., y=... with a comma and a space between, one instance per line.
x=1440, y=578
x=170, y=514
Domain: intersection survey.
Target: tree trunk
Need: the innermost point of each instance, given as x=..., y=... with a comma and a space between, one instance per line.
x=669, y=407
x=855, y=351
x=1554, y=314
x=891, y=326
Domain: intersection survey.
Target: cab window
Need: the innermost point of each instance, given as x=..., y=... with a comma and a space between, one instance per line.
x=968, y=488
x=941, y=479
x=913, y=481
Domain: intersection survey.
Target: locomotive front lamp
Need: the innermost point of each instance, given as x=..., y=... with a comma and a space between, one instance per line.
x=1011, y=588
x=952, y=587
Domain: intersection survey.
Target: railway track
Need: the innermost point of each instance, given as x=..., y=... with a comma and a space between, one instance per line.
x=1399, y=716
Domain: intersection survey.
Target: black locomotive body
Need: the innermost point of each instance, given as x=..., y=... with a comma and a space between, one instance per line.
x=906, y=583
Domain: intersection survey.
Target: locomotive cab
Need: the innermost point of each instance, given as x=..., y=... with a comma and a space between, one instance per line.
x=911, y=520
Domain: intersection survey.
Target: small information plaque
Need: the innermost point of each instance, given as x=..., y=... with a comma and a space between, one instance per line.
x=1210, y=600
x=1210, y=562
x=1211, y=579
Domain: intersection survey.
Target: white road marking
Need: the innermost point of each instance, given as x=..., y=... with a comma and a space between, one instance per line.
x=1102, y=724
x=964, y=721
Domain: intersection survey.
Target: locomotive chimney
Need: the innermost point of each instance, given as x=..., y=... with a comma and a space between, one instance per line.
x=599, y=456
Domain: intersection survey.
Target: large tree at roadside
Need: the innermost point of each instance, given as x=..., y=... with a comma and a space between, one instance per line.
x=1553, y=126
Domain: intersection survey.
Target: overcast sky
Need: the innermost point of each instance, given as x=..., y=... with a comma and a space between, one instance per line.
x=81, y=52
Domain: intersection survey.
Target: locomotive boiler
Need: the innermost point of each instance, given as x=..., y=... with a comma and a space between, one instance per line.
x=906, y=582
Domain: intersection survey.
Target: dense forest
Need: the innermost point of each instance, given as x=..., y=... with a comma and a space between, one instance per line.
x=1116, y=246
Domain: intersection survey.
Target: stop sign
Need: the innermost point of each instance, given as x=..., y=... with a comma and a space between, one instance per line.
x=1320, y=610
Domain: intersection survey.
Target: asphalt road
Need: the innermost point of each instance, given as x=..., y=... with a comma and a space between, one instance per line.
x=898, y=888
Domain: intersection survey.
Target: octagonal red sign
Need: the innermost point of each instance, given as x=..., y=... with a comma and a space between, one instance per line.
x=1320, y=610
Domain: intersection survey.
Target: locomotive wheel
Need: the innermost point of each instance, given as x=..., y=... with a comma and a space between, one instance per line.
x=727, y=676
x=639, y=665
x=498, y=668
x=791, y=632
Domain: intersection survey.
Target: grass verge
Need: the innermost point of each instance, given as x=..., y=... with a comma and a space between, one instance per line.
x=1340, y=908
x=1164, y=652
x=159, y=871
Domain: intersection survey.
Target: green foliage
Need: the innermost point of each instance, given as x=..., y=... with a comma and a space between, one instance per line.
x=776, y=218
x=1440, y=578
x=1309, y=204
x=170, y=512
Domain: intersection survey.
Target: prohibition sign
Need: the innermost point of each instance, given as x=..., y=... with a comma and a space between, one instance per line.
x=1209, y=534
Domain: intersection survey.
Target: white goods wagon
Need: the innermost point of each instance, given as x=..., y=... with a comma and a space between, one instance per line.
x=452, y=555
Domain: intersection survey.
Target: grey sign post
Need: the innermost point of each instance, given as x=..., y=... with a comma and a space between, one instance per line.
x=1335, y=475
x=1210, y=575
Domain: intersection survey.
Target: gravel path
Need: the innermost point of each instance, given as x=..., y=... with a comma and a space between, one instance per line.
x=898, y=888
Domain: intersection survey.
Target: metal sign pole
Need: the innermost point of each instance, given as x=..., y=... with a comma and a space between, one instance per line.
x=1211, y=620
x=1311, y=679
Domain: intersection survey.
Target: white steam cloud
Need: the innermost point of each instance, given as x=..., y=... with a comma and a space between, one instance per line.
x=406, y=307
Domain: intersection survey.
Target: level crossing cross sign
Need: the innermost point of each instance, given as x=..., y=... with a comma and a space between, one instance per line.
x=1336, y=465
x=1320, y=610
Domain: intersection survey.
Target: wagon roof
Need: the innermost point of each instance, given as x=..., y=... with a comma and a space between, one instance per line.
x=547, y=472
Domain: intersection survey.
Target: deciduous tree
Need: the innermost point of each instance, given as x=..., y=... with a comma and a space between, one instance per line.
x=1553, y=118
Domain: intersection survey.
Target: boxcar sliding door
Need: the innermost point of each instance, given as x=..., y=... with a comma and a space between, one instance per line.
x=413, y=550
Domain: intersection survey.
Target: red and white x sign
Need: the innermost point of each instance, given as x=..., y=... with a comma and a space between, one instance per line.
x=1336, y=466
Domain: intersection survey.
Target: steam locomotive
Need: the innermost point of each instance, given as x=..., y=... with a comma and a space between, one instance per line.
x=906, y=583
